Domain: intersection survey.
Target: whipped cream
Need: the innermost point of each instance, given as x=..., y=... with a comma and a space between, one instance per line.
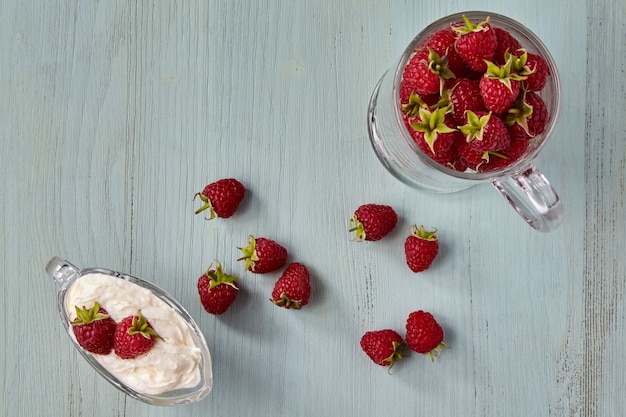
x=173, y=361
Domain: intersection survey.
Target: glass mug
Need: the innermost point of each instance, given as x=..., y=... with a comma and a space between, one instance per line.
x=521, y=183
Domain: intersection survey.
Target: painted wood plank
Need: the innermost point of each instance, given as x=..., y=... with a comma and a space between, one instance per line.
x=114, y=114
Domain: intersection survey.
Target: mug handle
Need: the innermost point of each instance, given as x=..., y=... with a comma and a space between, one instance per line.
x=532, y=196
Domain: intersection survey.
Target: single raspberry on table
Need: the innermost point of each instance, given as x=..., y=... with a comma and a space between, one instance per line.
x=221, y=198
x=263, y=255
x=217, y=290
x=423, y=334
x=372, y=222
x=384, y=347
x=293, y=289
x=421, y=248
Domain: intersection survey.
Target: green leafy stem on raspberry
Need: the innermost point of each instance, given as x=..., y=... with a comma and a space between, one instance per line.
x=422, y=233
x=86, y=316
x=503, y=73
x=470, y=27
x=431, y=124
x=141, y=326
x=439, y=65
x=475, y=126
x=218, y=277
x=249, y=253
x=207, y=206
x=437, y=351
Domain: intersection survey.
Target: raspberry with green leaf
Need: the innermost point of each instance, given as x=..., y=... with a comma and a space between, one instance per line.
x=421, y=248
x=134, y=336
x=424, y=334
x=434, y=130
x=384, y=347
x=217, y=290
x=94, y=329
x=499, y=87
x=263, y=255
x=485, y=132
x=373, y=222
x=426, y=72
x=476, y=43
x=527, y=117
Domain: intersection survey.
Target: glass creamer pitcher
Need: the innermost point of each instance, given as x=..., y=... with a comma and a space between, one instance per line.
x=172, y=381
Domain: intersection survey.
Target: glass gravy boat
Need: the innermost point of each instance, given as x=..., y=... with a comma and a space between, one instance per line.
x=65, y=275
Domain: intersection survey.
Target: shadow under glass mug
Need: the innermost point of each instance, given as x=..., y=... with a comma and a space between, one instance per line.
x=521, y=183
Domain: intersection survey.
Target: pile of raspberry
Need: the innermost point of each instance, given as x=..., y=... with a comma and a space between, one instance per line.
x=469, y=96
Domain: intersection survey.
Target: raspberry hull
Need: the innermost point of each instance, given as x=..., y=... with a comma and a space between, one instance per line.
x=489, y=96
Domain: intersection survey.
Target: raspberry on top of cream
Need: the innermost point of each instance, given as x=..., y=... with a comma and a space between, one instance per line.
x=174, y=360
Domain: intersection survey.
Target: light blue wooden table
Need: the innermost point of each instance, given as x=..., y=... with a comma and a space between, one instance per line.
x=114, y=113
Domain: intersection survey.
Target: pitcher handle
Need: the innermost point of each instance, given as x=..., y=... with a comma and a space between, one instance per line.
x=61, y=270
x=532, y=196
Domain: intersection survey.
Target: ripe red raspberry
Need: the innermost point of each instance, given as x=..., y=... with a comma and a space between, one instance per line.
x=476, y=44
x=442, y=42
x=263, y=255
x=470, y=157
x=532, y=68
x=134, y=336
x=539, y=71
x=458, y=163
x=434, y=131
x=293, y=289
x=426, y=71
x=446, y=158
x=506, y=43
x=499, y=87
x=217, y=290
x=411, y=106
x=372, y=222
x=423, y=334
x=221, y=197
x=94, y=329
x=421, y=248
x=485, y=132
x=405, y=94
x=465, y=95
x=528, y=117
x=384, y=347
x=504, y=158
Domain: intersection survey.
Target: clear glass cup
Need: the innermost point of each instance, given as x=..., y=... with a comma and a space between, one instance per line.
x=65, y=274
x=521, y=183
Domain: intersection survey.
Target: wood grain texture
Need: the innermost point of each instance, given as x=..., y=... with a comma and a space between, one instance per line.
x=113, y=114
x=604, y=266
